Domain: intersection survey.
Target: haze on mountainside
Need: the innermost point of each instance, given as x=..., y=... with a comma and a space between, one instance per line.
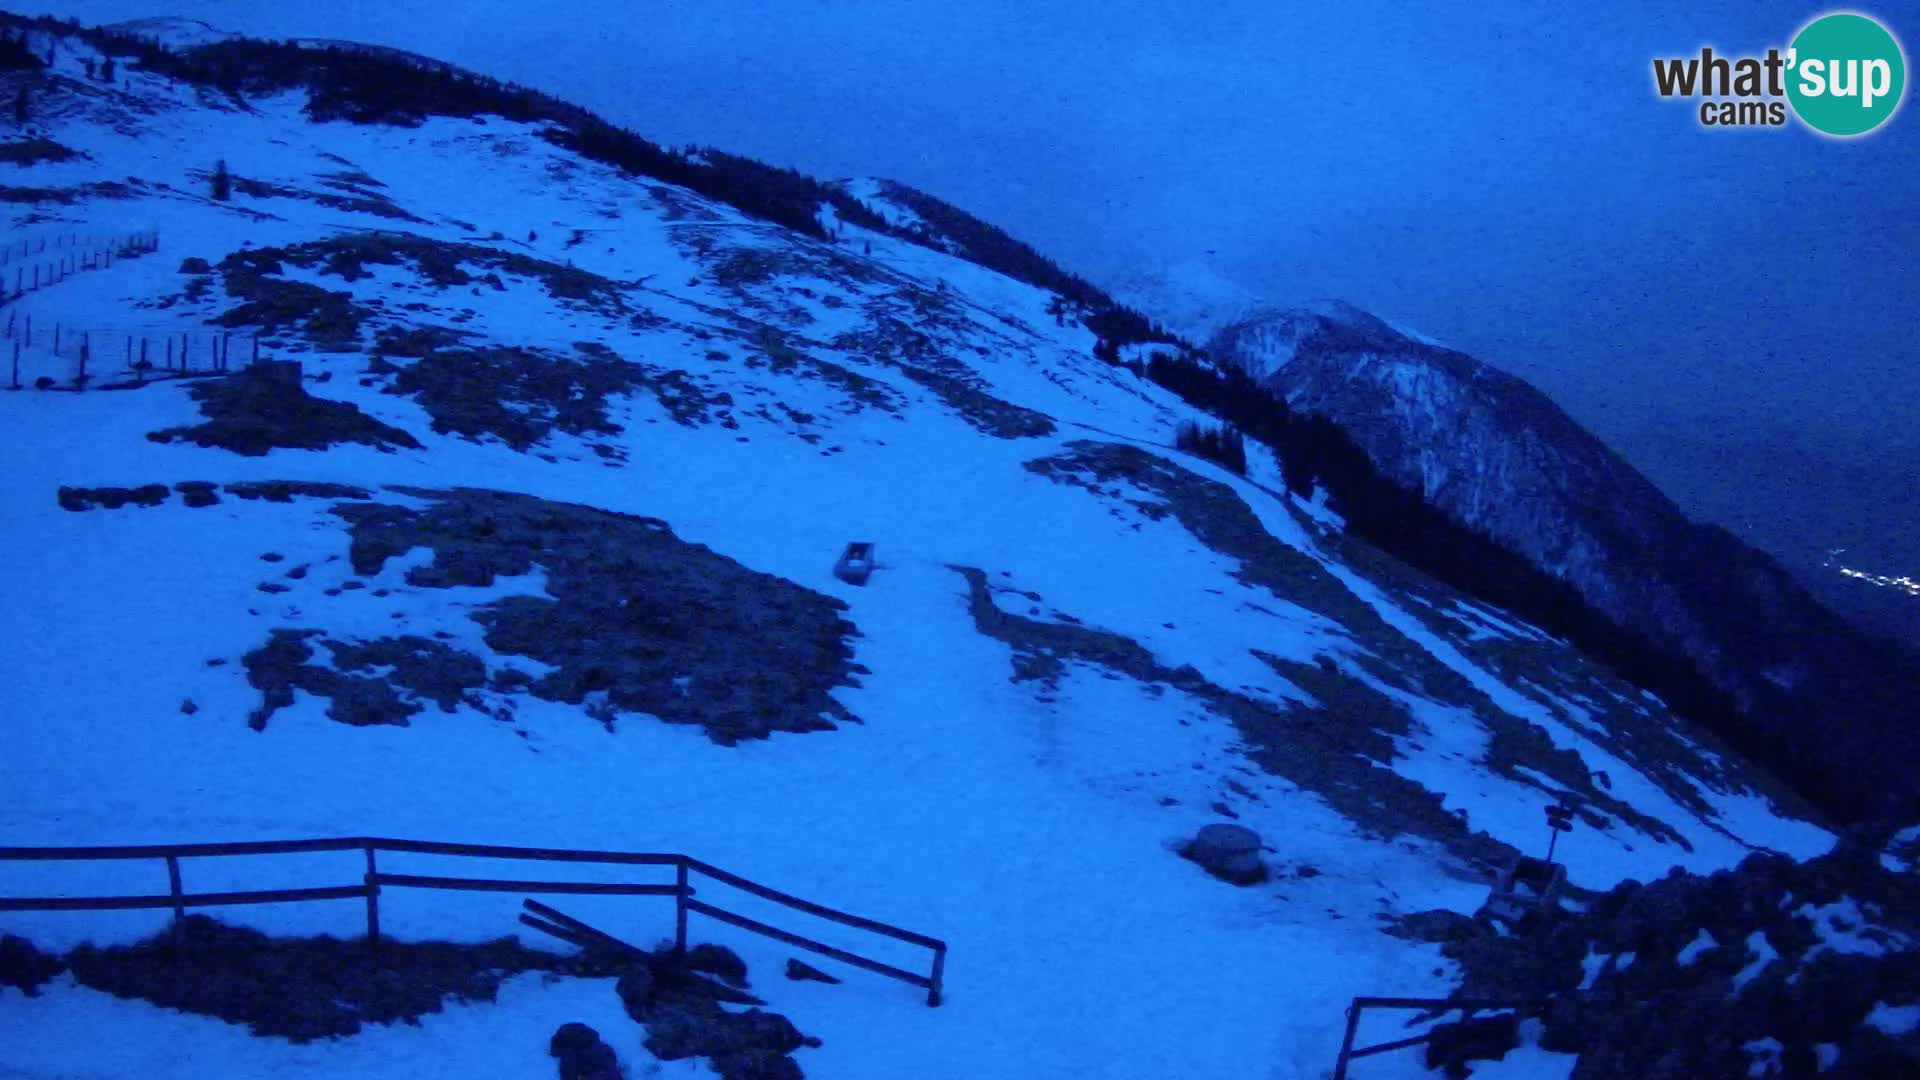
x=1733, y=312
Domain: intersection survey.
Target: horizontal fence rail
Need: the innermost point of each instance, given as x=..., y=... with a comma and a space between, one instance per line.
x=375, y=879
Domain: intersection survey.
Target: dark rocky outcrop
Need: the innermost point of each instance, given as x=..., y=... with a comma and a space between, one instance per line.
x=251, y=413
x=300, y=988
x=1452, y=1046
x=683, y=1017
x=111, y=498
x=1687, y=971
x=24, y=967
x=581, y=1055
x=424, y=668
x=634, y=616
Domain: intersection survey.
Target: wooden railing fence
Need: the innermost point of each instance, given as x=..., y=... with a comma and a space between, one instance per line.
x=374, y=880
x=1467, y=1007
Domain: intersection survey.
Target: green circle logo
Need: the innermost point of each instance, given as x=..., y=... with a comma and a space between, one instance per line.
x=1846, y=74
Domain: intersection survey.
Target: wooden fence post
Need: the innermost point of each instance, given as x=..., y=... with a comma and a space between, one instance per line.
x=169, y=352
x=939, y=976
x=16, y=364
x=179, y=903
x=86, y=342
x=373, y=901
x=1346, y=1043
x=680, y=907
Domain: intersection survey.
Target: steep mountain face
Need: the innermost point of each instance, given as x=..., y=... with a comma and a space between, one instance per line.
x=1500, y=456
x=523, y=530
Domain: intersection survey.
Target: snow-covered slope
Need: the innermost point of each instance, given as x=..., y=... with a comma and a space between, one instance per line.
x=1499, y=456
x=1191, y=297
x=608, y=438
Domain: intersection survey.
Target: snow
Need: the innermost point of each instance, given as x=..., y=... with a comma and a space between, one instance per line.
x=1900, y=847
x=1764, y=1057
x=1894, y=1019
x=1032, y=828
x=1846, y=929
x=1623, y=853
x=1591, y=967
x=1701, y=942
x=59, y=1035
x=1760, y=953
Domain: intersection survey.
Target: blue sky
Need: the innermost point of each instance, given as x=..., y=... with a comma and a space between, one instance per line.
x=1731, y=309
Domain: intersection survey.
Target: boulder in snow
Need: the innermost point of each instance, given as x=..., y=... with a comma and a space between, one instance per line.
x=1228, y=852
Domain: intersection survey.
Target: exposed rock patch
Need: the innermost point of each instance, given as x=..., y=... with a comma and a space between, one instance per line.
x=582, y=1055
x=442, y=263
x=634, y=616
x=516, y=395
x=1691, y=970
x=301, y=988
x=285, y=491
x=684, y=1018
x=35, y=149
x=329, y=320
x=428, y=669
x=111, y=498
x=198, y=494
x=24, y=967
x=250, y=413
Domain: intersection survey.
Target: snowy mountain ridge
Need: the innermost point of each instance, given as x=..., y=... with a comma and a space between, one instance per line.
x=537, y=548
x=1499, y=456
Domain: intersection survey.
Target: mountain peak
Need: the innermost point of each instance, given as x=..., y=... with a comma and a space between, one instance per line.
x=175, y=31
x=1267, y=339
